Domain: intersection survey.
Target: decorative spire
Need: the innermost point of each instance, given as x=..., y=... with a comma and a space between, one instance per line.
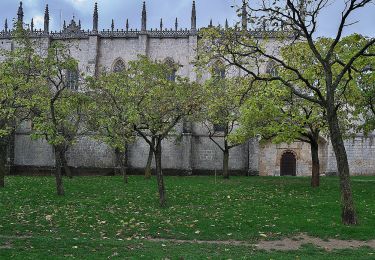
x=244, y=15
x=127, y=24
x=210, y=25
x=113, y=25
x=6, y=25
x=32, y=25
x=95, y=20
x=20, y=14
x=193, y=18
x=226, y=24
x=161, y=24
x=64, y=26
x=144, y=17
x=176, y=24
x=79, y=24
x=46, y=20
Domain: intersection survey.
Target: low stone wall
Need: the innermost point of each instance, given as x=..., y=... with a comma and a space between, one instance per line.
x=191, y=154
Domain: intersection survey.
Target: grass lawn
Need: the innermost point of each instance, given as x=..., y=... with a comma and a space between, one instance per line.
x=100, y=217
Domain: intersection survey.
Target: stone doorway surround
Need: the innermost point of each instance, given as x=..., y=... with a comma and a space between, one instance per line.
x=288, y=164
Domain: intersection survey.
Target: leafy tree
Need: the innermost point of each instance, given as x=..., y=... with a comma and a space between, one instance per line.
x=293, y=24
x=363, y=73
x=59, y=106
x=221, y=112
x=274, y=113
x=161, y=104
x=369, y=108
x=112, y=112
x=17, y=81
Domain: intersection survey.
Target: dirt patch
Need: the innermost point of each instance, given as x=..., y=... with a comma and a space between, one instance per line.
x=296, y=242
x=210, y=242
x=286, y=244
x=7, y=245
x=15, y=237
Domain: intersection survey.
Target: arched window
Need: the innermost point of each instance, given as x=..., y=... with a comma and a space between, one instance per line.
x=119, y=66
x=171, y=64
x=272, y=69
x=72, y=79
x=219, y=128
x=219, y=70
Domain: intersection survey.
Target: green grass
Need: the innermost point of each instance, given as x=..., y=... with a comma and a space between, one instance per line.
x=101, y=217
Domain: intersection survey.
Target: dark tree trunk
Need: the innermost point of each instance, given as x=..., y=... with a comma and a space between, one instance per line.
x=58, y=175
x=64, y=163
x=226, y=163
x=159, y=174
x=226, y=154
x=148, y=170
x=3, y=161
x=120, y=156
x=348, y=213
x=315, y=177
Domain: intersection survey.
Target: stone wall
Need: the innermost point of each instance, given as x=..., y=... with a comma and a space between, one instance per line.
x=183, y=153
x=189, y=153
x=361, y=156
x=270, y=158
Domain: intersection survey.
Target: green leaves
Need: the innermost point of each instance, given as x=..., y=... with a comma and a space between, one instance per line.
x=142, y=97
x=111, y=113
x=58, y=110
x=161, y=103
x=292, y=103
x=17, y=83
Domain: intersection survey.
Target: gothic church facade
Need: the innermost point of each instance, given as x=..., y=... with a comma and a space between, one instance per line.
x=193, y=152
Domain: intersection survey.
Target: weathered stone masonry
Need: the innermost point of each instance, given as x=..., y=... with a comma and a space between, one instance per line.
x=193, y=152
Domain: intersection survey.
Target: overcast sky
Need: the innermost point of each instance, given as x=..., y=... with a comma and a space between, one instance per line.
x=120, y=10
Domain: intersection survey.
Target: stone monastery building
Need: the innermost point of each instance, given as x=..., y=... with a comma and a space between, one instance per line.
x=193, y=152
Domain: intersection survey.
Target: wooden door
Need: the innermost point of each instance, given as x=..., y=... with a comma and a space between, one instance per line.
x=288, y=164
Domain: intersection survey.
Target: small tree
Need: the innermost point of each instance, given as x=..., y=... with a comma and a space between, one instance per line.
x=112, y=112
x=369, y=108
x=161, y=104
x=221, y=112
x=274, y=113
x=17, y=82
x=363, y=72
x=59, y=106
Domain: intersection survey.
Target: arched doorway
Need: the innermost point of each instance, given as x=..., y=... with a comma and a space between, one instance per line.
x=288, y=164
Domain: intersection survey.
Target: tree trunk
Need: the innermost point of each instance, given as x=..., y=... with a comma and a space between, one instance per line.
x=3, y=162
x=315, y=177
x=121, y=163
x=148, y=170
x=226, y=164
x=58, y=175
x=226, y=155
x=159, y=175
x=348, y=213
x=64, y=162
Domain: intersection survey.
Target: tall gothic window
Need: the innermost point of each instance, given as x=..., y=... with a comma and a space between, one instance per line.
x=219, y=74
x=171, y=64
x=219, y=128
x=119, y=66
x=272, y=69
x=219, y=70
x=72, y=79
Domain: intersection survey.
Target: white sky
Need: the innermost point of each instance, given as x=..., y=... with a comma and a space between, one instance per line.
x=120, y=10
